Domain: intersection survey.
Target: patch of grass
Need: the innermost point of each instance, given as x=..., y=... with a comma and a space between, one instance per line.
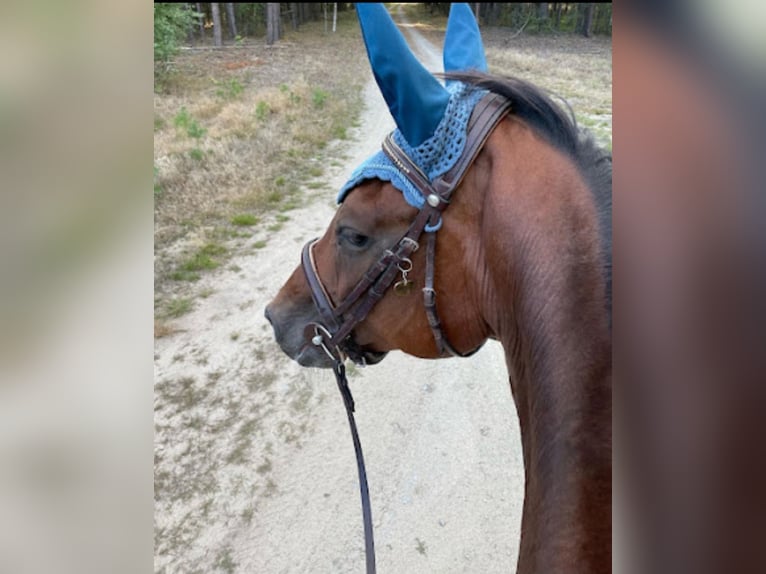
x=198, y=262
x=243, y=219
x=421, y=546
x=238, y=455
x=316, y=171
x=274, y=197
x=319, y=97
x=182, y=118
x=196, y=154
x=282, y=218
x=262, y=109
x=247, y=515
x=158, y=191
x=182, y=393
x=290, y=204
x=260, y=244
x=224, y=561
x=195, y=130
x=203, y=259
x=183, y=275
x=234, y=336
x=197, y=423
x=260, y=381
x=271, y=488
x=230, y=90
x=264, y=467
x=175, y=308
x=185, y=122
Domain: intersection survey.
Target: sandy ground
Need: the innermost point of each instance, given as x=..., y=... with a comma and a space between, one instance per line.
x=254, y=464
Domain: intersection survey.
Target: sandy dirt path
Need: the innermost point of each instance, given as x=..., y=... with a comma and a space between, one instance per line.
x=254, y=464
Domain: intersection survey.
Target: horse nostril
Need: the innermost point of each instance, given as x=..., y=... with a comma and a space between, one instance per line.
x=267, y=314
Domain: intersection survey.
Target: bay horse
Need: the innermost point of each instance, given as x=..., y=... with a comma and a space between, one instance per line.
x=520, y=201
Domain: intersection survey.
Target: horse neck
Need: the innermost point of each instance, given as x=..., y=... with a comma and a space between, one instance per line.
x=545, y=303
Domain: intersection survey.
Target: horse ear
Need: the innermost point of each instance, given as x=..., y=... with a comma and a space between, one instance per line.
x=416, y=99
x=463, y=49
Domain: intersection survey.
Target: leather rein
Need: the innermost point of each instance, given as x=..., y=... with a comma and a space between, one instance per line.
x=335, y=333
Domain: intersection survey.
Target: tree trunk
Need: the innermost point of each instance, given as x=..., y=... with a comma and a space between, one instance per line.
x=588, y=20
x=231, y=19
x=217, y=34
x=273, y=32
x=201, y=22
x=476, y=10
x=190, y=30
x=542, y=15
x=334, y=16
x=294, y=14
x=585, y=19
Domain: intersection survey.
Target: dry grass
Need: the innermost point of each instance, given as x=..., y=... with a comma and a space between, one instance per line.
x=577, y=69
x=241, y=130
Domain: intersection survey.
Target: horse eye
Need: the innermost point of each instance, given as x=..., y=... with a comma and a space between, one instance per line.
x=354, y=239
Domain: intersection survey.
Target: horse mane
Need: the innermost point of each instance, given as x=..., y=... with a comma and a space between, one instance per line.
x=559, y=127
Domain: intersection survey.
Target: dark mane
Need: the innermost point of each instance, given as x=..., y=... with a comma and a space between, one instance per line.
x=559, y=127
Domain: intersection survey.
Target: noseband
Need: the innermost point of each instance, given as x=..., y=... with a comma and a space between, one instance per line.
x=335, y=334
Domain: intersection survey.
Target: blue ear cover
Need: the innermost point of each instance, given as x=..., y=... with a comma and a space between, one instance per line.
x=416, y=99
x=463, y=48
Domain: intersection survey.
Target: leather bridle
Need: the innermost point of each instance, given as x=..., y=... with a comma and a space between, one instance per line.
x=335, y=333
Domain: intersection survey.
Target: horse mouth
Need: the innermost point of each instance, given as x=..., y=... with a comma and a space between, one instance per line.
x=374, y=357
x=299, y=345
x=313, y=356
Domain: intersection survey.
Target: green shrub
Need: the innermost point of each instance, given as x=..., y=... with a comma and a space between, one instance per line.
x=171, y=23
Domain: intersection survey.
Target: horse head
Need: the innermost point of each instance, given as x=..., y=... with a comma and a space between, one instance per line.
x=377, y=208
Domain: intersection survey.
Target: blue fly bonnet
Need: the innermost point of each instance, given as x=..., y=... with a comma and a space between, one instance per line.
x=431, y=119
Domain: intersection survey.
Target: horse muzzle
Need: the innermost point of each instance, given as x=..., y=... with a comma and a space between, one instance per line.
x=304, y=340
x=290, y=338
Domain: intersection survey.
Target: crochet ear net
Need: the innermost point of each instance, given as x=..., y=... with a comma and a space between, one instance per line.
x=416, y=99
